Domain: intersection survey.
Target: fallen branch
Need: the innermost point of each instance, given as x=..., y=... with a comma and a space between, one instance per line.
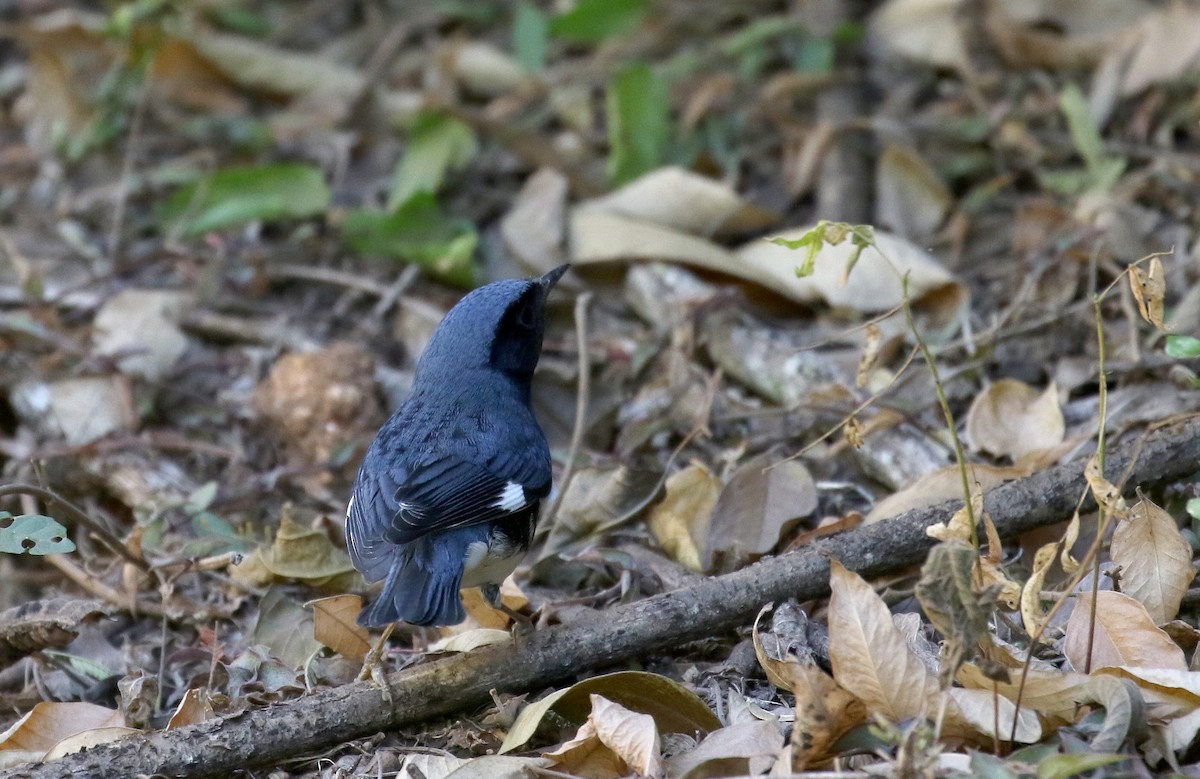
x=711, y=606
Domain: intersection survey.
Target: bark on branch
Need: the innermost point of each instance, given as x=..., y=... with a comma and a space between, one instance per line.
x=710, y=606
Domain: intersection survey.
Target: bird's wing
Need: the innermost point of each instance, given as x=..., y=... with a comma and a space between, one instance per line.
x=397, y=506
x=454, y=492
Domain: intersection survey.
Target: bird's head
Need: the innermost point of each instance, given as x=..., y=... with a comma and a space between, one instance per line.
x=497, y=326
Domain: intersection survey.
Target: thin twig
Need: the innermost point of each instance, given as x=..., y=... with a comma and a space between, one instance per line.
x=77, y=515
x=131, y=144
x=581, y=404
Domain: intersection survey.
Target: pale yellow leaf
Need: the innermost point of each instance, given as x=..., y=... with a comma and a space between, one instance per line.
x=680, y=522
x=1031, y=593
x=991, y=715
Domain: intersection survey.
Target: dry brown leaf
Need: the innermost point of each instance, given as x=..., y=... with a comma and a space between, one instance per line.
x=335, y=624
x=761, y=499
x=469, y=640
x=1162, y=48
x=870, y=656
x=195, y=707
x=48, y=723
x=674, y=708
x=1124, y=635
x=875, y=284
x=1105, y=492
x=1010, y=418
x=80, y=410
x=1149, y=288
x=681, y=521
x=985, y=713
x=679, y=199
x=301, y=553
x=942, y=485
x=534, y=229
x=481, y=614
x=1155, y=559
x=87, y=739
x=825, y=711
x=928, y=30
x=910, y=197
x=748, y=747
x=1031, y=594
x=141, y=327
x=613, y=742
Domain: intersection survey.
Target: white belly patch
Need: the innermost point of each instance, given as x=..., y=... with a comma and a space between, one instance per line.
x=480, y=568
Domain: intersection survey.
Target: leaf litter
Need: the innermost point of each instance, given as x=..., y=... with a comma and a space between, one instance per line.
x=203, y=321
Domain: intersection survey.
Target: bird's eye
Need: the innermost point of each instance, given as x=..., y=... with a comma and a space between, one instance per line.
x=527, y=317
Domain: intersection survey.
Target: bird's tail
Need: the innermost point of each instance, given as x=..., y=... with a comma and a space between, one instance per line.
x=420, y=589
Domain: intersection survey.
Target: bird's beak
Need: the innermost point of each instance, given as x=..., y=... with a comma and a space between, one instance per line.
x=547, y=281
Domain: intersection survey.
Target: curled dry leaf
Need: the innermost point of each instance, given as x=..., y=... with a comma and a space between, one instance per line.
x=335, y=624
x=612, y=743
x=679, y=199
x=1155, y=559
x=748, y=747
x=469, y=640
x=1011, y=418
x=1149, y=288
x=49, y=723
x=195, y=707
x=299, y=553
x=285, y=628
x=1104, y=491
x=1031, y=594
x=870, y=656
x=982, y=712
x=942, y=485
x=874, y=285
x=1123, y=635
x=674, y=708
x=481, y=614
x=680, y=522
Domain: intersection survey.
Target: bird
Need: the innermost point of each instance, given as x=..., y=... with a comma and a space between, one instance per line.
x=448, y=493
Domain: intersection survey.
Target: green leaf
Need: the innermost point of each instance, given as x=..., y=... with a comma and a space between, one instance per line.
x=420, y=233
x=637, y=122
x=530, y=33
x=591, y=21
x=833, y=233
x=235, y=196
x=1183, y=347
x=1064, y=766
x=1103, y=170
x=219, y=534
x=201, y=499
x=1193, y=508
x=33, y=533
x=437, y=144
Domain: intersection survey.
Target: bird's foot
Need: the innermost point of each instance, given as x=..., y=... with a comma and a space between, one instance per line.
x=372, y=667
x=491, y=593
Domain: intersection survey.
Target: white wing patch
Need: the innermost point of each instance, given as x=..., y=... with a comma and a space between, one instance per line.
x=349, y=506
x=512, y=499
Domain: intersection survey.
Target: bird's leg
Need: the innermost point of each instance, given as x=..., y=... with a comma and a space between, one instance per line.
x=491, y=593
x=372, y=667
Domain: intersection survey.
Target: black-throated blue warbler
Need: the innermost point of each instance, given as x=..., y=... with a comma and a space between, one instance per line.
x=447, y=496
